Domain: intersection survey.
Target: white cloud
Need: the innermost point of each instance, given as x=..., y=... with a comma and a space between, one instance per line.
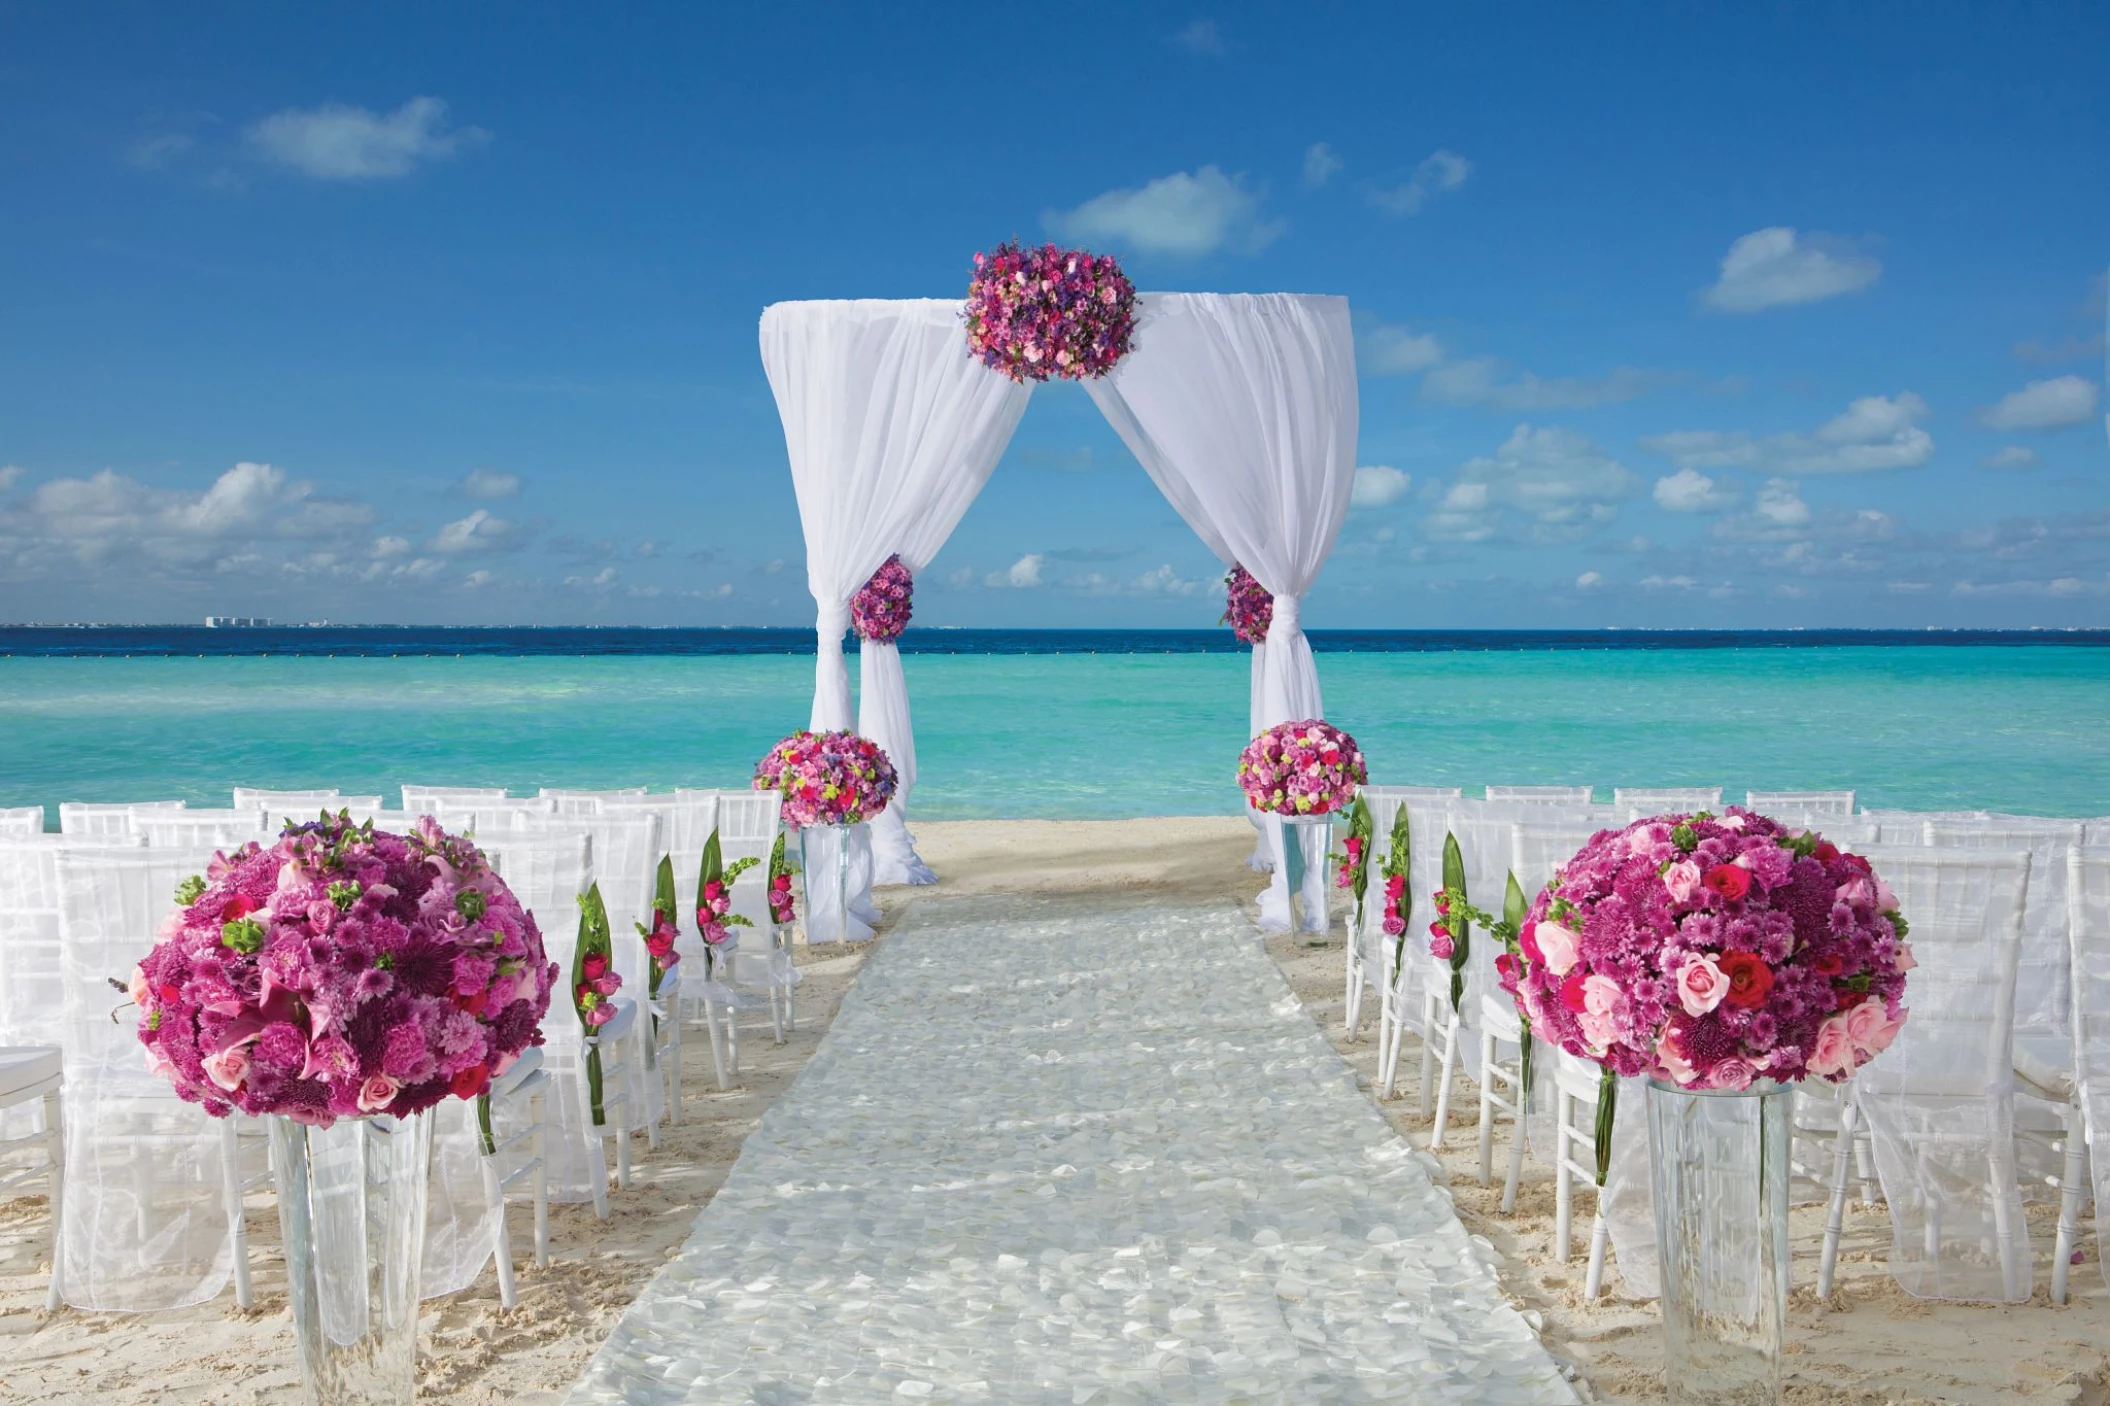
x=1776, y=267
x=604, y=577
x=1165, y=581
x=489, y=484
x=1780, y=505
x=1022, y=574
x=1441, y=172
x=1183, y=214
x=2012, y=456
x=1377, y=485
x=1320, y=165
x=10, y=475
x=1477, y=381
x=389, y=548
x=1398, y=351
x=245, y=519
x=1589, y=581
x=2043, y=405
x=1557, y=480
x=1873, y=433
x=477, y=578
x=1668, y=583
x=153, y=153
x=477, y=532
x=1201, y=37
x=1690, y=491
x=336, y=142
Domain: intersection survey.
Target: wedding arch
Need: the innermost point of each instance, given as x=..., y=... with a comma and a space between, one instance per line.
x=1242, y=408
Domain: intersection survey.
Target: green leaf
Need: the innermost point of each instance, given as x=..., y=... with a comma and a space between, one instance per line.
x=713, y=864
x=189, y=890
x=1607, y=1102
x=1515, y=908
x=593, y=937
x=483, y=1123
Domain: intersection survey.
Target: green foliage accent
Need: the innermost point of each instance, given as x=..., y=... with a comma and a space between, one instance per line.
x=189, y=890
x=345, y=892
x=1458, y=920
x=469, y=903
x=243, y=934
x=593, y=937
x=1685, y=838
x=1361, y=824
x=1607, y=1102
x=1516, y=908
x=483, y=1123
x=1399, y=856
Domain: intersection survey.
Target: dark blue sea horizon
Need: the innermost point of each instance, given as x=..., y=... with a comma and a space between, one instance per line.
x=384, y=641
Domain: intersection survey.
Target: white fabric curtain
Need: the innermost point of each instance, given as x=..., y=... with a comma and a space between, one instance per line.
x=891, y=428
x=1242, y=408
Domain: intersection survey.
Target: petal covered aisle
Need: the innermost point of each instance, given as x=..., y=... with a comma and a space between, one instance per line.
x=1071, y=1150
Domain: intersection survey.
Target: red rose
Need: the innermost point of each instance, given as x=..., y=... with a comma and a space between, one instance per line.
x=1528, y=939
x=1572, y=991
x=593, y=966
x=1438, y=930
x=470, y=1082
x=474, y=1005
x=1828, y=964
x=240, y=906
x=1750, y=979
x=1826, y=851
x=1506, y=968
x=1731, y=881
x=1443, y=901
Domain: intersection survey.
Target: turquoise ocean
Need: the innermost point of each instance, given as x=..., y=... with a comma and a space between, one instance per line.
x=2006, y=726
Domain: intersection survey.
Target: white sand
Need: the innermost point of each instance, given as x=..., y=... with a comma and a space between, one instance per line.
x=1869, y=1343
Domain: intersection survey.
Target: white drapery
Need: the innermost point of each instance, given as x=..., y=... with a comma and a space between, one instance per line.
x=891, y=428
x=1242, y=409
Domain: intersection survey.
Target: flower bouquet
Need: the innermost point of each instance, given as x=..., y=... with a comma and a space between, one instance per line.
x=1036, y=313
x=1301, y=769
x=1724, y=958
x=594, y=983
x=342, y=980
x=1248, y=607
x=782, y=910
x=827, y=778
x=659, y=939
x=715, y=918
x=881, y=608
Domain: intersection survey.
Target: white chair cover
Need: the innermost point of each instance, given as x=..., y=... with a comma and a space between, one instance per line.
x=547, y=873
x=420, y=800
x=2043, y=983
x=20, y=822
x=1538, y=795
x=585, y=802
x=77, y=818
x=1666, y=800
x=1940, y=1101
x=1243, y=410
x=2088, y=903
x=145, y=1223
x=200, y=829
x=891, y=428
x=1782, y=804
x=278, y=802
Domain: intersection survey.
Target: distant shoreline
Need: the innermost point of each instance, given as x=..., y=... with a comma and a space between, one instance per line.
x=386, y=641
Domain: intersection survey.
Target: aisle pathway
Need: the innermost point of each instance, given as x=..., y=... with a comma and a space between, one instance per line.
x=1072, y=1151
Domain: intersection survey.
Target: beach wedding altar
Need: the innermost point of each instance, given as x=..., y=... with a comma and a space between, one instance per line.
x=1064, y=1146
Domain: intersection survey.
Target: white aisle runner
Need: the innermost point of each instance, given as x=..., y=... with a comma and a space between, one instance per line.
x=1073, y=1151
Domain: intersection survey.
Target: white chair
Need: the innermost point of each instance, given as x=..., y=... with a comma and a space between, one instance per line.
x=153, y=1212
x=1667, y=800
x=662, y=1033
x=490, y=818
x=1409, y=974
x=1576, y=1086
x=21, y=822
x=1799, y=803
x=306, y=802
x=30, y=1076
x=1825, y=1130
x=743, y=977
x=548, y=873
x=79, y=818
x=1940, y=1102
x=525, y=1087
x=583, y=802
x=2088, y=933
x=618, y=1044
x=1909, y=827
x=1364, y=959
x=1541, y=795
x=420, y=800
x=626, y=854
x=200, y=829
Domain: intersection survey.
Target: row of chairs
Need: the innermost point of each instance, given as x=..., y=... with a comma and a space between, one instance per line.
x=81, y=907
x=2015, y=905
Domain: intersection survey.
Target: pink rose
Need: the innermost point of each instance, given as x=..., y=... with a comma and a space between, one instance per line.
x=1831, y=1053
x=1671, y=1063
x=1701, y=984
x=1682, y=880
x=377, y=1092
x=600, y=1014
x=138, y=988
x=1862, y=1022
x=1906, y=961
x=229, y=1067
x=1732, y=1073
x=1601, y=994
x=1559, y=946
x=1598, y=1030
x=1881, y=1035
x=1886, y=899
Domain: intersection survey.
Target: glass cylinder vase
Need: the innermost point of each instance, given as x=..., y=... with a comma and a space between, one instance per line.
x=828, y=874
x=351, y=1206
x=1307, y=844
x=1720, y=1175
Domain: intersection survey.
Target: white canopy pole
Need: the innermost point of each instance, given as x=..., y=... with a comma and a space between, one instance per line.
x=1243, y=410
x=891, y=429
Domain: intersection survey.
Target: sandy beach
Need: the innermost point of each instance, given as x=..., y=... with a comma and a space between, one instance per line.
x=1867, y=1343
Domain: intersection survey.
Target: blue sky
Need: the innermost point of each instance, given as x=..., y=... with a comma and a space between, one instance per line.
x=1692, y=315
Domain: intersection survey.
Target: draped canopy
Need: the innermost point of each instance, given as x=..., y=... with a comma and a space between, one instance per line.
x=1241, y=407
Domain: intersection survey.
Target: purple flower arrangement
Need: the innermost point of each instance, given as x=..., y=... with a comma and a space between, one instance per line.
x=1248, y=607
x=1712, y=953
x=1036, y=313
x=342, y=972
x=827, y=778
x=1301, y=768
x=881, y=608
